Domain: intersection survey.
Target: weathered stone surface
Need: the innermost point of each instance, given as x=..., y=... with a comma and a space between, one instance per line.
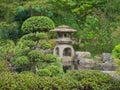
x=85, y=63
x=113, y=74
x=80, y=55
x=106, y=57
x=107, y=66
x=98, y=58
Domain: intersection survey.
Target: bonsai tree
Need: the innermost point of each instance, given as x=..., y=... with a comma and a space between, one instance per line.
x=37, y=24
x=30, y=52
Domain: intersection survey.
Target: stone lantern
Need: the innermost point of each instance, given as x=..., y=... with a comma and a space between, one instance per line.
x=64, y=49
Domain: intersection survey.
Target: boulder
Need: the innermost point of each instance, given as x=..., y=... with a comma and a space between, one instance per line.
x=107, y=66
x=80, y=55
x=106, y=57
x=113, y=74
x=83, y=61
x=86, y=62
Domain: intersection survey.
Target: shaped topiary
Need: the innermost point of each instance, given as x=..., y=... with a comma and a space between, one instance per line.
x=37, y=24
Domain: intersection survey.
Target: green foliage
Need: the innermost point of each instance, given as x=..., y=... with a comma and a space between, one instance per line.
x=8, y=32
x=37, y=23
x=116, y=57
x=93, y=36
x=6, y=49
x=35, y=55
x=112, y=10
x=50, y=58
x=45, y=45
x=22, y=14
x=13, y=81
x=35, y=41
x=35, y=36
x=33, y=46
x=41, y=36
x=116, y=52
x=96, y=22
x=55, y=70
x=93, y=80
x=116, y=36
x=21, y=61
x=7, y=81
x=43, y=72
x=3, y=66
x=74, y=80
x=29, y=43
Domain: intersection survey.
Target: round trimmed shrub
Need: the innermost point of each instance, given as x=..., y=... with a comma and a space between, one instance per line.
x=37, y=23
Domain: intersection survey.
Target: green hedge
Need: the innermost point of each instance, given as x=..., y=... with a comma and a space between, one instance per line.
x=73, y=80
x=92, y=80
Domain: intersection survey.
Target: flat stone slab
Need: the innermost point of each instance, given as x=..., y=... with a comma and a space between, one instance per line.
x=112, y=73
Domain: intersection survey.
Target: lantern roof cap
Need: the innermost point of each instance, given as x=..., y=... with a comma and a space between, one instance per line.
x=63, y=28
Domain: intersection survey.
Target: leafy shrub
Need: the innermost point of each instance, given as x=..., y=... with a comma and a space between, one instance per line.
x=116, y=52
x=41, y=36
x=35, y=40
x=45, y=45
x=55, y=83
x=74, y=80
x=44, y=72
x=91, y=80
x=21, y=61
x=6, y=49
x=49, y=58
x=8, y=30
x=55, y=70
x=35, y=55
x=116, y=56
x=29, y=43
x=37, y=23
x=21, y=52
x=14, y=81
x=7, y=81
x=3, y=66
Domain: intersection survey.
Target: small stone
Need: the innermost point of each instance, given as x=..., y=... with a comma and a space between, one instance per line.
x=98, y=58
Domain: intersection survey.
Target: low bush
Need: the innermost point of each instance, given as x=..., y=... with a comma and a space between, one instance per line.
x=43, y=72
x=72, y=80
x=92, y=80
x=3, y=66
